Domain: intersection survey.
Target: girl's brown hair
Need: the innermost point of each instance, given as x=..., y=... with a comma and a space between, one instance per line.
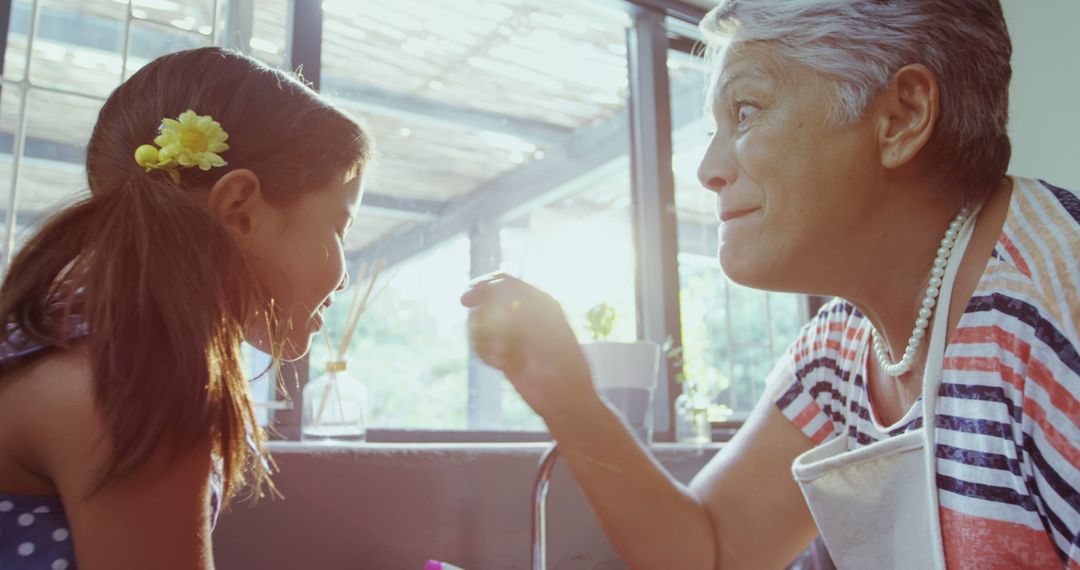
x=162, y=287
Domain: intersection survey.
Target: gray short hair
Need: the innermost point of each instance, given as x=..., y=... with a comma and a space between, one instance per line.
x=860, y=44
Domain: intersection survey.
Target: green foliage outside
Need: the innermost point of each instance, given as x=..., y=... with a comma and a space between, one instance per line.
x=732, y=335
x=599, y=321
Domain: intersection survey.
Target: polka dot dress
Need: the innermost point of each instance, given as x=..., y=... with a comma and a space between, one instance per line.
x=34, y=534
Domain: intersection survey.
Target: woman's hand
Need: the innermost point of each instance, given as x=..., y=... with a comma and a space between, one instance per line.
x=744, y=510
x=522, y=331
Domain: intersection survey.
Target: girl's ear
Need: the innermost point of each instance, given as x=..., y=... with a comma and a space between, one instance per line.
x=236, y=200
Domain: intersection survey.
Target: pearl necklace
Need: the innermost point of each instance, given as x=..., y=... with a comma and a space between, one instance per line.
x=927, y=309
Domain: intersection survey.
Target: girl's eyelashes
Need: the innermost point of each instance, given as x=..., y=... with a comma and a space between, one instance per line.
x=344, y=230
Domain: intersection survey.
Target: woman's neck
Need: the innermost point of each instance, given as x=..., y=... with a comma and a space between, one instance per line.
x=890, y=288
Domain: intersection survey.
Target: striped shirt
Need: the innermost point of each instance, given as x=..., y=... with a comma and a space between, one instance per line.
x=1008, y=410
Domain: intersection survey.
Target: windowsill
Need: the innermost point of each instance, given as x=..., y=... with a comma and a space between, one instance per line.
x=525, y=448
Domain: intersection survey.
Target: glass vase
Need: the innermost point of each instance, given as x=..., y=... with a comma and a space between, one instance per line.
x=335, y=406
x=692, y=419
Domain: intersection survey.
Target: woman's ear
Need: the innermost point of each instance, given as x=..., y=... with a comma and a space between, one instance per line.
x=908, y=111
x=237, y=202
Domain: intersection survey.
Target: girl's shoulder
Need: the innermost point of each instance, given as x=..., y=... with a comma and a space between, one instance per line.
x=47, y=411
x=57, y=378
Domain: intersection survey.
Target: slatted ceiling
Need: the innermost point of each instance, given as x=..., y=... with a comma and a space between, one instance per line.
x=421, y=50
x=43, y=185
x=175, y=40
x=435, y=162
x=61, y=118
x=364, y=65
x=9, y=113
x=505, y=63
x=82, y=70
x=439, y=180
x=369, y=227
x=491, y=93
x=268, y=29
x=15, y=58
x=194, y=15
x=410, y=180
x=609, y=193
x=116, y=9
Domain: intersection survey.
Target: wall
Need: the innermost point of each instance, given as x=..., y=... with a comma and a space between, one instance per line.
x=1045, y=98
x=389, y=507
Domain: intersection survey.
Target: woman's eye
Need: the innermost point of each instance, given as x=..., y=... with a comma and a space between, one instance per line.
x=743, y=111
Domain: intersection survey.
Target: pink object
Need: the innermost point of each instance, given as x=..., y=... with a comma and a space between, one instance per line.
x=436, y=565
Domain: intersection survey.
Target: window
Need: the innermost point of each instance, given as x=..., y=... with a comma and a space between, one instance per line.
x=579, y=250
x=504, y=138
x=494, y=154
x=410, y=347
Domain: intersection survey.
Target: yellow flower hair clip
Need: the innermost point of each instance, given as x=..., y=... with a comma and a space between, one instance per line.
x=187, y=141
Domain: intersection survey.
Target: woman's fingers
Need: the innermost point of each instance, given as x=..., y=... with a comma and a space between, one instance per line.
x=522, y=331
x=484, y=288
x=501, y=306
x=495, y=330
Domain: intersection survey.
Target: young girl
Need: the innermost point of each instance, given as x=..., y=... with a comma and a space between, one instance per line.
x=220, y=193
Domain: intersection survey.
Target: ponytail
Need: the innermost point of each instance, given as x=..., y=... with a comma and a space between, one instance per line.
x=41, y=267
x=163, y=290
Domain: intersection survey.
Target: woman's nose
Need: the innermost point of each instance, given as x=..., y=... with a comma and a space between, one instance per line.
x=716, y=169
x=344, y=281
x=712, y=183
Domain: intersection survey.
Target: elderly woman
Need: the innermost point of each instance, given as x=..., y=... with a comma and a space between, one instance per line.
x=929, y=414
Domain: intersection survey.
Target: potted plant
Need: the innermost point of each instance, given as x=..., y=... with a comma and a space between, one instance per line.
x=624, y=372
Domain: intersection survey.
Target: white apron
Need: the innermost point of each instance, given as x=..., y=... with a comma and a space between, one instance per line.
x=877, y=506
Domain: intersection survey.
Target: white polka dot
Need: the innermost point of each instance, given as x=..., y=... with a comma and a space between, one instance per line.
x=60, y=534
x=26, y=549
x=59, y=564
x=41, y=510
x=6, y=506
x=26, y=519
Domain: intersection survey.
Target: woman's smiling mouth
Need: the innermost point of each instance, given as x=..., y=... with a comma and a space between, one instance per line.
x=732, y=214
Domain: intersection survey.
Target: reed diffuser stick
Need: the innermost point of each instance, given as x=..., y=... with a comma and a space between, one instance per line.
x=326, y=391
x=350, y=326
x=368, y=275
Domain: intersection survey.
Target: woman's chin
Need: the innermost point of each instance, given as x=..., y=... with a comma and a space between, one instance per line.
x=740, y=266
x=751, y=269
